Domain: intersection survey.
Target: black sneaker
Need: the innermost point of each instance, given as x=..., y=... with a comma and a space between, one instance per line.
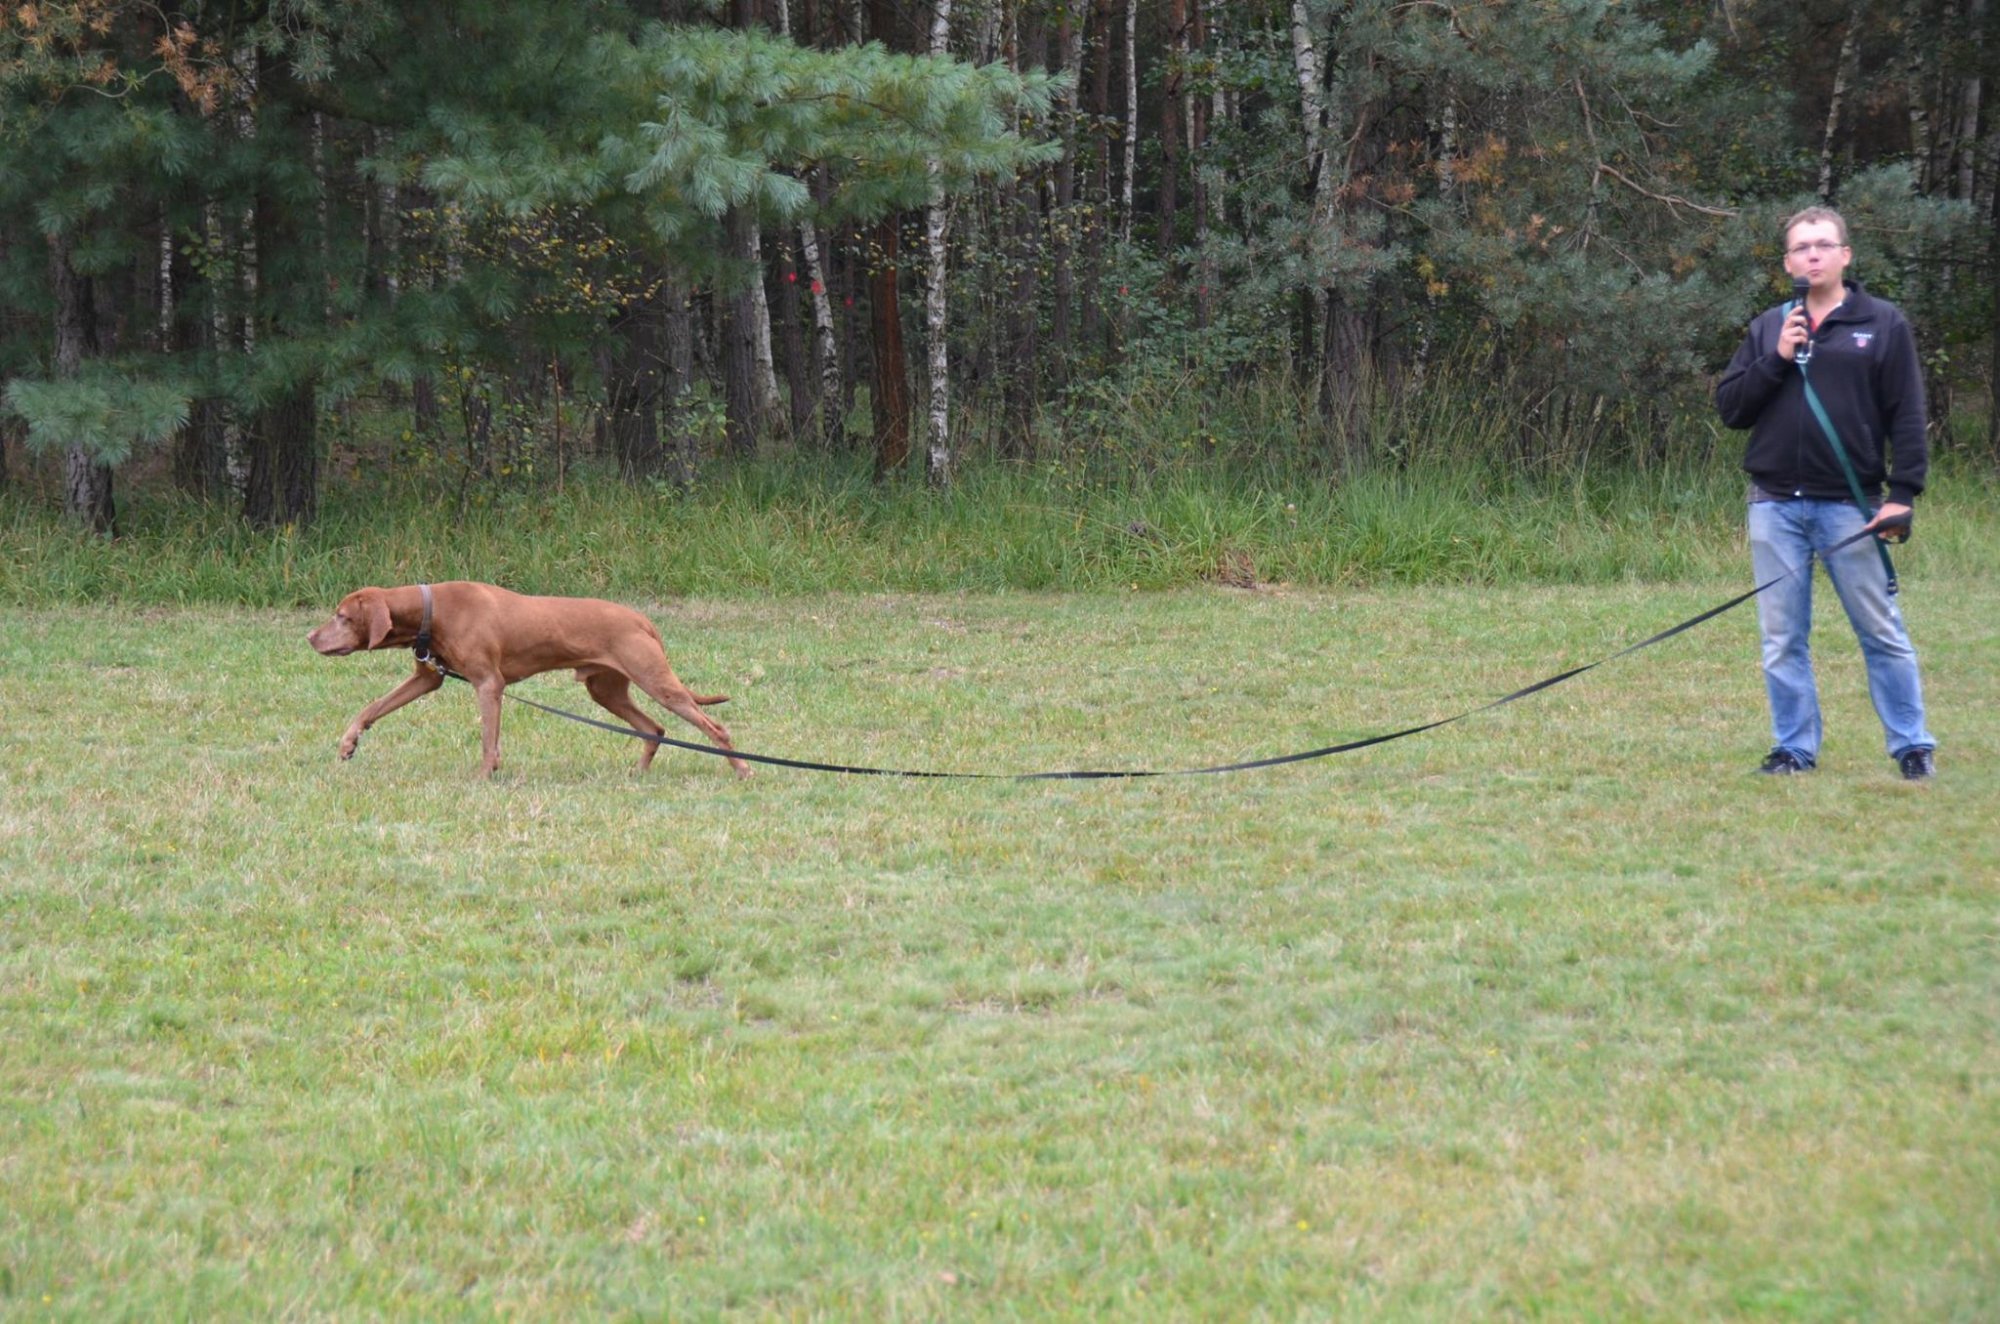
x=1917, y=765
x=1783, y=763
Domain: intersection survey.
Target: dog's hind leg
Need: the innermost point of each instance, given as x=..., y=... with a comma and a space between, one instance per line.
x=658, y=679
x=613, y=693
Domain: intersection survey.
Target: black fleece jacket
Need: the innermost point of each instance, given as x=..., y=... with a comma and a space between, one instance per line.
x=1864, y=370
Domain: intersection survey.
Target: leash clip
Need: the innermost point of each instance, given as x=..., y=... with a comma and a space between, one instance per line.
x=425, y=657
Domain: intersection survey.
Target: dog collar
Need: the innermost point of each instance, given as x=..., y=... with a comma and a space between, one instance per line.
x=423, y=645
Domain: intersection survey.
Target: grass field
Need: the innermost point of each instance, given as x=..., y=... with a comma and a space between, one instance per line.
x=1558, y=1012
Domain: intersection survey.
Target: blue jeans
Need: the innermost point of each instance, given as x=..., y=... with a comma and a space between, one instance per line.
x=1786, y=535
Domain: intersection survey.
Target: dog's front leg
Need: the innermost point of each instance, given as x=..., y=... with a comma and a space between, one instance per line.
x=416, y=687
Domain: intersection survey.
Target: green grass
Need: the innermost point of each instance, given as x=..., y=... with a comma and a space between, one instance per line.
x=798, y=527
x=1556, y=1013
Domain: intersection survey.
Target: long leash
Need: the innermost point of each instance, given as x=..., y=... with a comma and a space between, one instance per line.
x=811, y=765
x=1840, y=454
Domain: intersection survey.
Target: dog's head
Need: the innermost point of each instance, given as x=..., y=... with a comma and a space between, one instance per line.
x=360, y=621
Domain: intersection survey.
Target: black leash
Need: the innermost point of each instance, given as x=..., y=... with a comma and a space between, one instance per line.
x=1802, y=358
x=1247, y=765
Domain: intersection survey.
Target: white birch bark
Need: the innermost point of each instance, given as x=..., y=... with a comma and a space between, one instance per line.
x=1312, y=113
x=166, y=260
x=770, y=402
x=1131, y=117
x=937, y=453
x=1970, y=95
x=1923, y=133
x=825, y=347
x=1844, y=71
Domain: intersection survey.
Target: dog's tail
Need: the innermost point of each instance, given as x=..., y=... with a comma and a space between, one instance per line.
x=705, y=700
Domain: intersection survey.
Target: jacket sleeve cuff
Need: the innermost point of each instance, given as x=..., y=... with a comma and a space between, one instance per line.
x=1903, y=495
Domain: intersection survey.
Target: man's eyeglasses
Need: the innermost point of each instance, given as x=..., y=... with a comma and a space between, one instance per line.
x=1814, y=246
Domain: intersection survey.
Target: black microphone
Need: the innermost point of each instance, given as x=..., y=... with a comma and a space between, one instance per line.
x=1800, y=288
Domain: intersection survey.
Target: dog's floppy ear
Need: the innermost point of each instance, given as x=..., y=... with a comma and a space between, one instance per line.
x=375, y=606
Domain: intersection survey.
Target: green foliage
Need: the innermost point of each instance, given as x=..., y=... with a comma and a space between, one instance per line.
x=740, y=114
x=107, y=411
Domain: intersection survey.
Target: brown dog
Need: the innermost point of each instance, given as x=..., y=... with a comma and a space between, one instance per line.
x=493, y=638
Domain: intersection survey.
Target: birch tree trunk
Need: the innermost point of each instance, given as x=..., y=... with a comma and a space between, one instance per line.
x=1312, y=112
x=937, y=443
x=769, y=400
x=1970, y=96
x=1131, y=118
x=1923, y=132
x=775, y=15
x=163, y=256
x=1844, y=74
x=826, y=348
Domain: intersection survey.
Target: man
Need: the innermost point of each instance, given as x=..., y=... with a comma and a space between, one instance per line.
x=1860, y=357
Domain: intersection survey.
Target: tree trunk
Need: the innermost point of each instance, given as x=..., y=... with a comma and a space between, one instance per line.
x=891, y=381
x=1167, y=204
x=633, y=389
x=87, y=495
x=1844, y=74
x=1917, y=92
x=1993, y=314
x=1131, y=117
x=892, y=392
x=1343, y=377
x=741, y=394
x=197, y=457
x=294, y=436
x=1312, y=109
x=1069, y=50
x=787, y=338
x=677, y=335
x=281, y=483
x=937, y=432
x=827, y=405
x=1197, y=125
x=1023, y=367
x=164, y=287
x=1966, y=143
x=770, y=402
x=1100, y=181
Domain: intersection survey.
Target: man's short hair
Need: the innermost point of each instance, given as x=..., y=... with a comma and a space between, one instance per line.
x=1814, y=215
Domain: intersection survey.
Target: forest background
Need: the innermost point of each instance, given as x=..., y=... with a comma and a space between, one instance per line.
x=257, y=257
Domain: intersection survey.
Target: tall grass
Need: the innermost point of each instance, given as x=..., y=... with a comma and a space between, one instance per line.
x=1199, y=485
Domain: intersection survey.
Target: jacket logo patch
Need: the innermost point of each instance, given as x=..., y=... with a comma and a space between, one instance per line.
x=1861, y=339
